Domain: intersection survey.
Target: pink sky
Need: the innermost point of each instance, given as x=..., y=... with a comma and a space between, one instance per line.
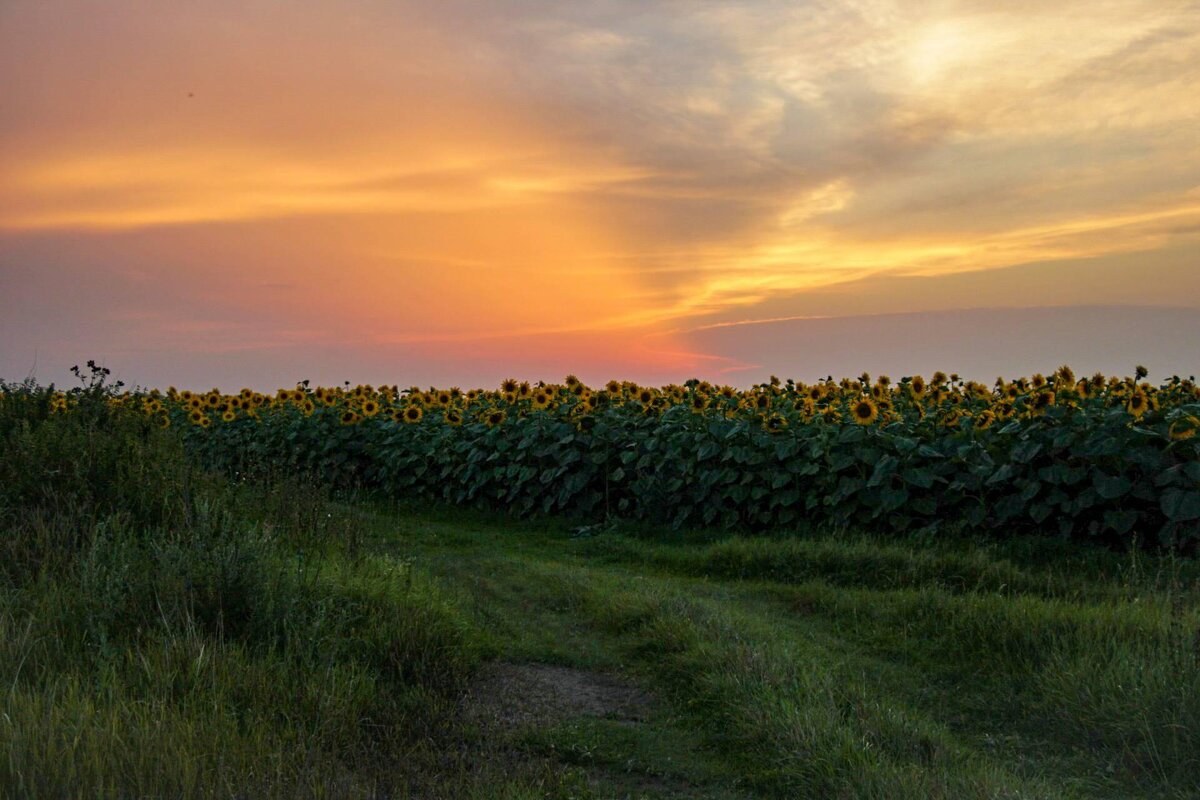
x=254, y=193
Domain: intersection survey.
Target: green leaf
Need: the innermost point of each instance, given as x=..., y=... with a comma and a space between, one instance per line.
x=1110, y=487
x=919, y=477
x=1180, y=505
x=884, y=469
x=1025, y=451
x=1120, y=521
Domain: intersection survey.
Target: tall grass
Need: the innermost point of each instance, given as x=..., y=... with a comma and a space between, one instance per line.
x=166, y=634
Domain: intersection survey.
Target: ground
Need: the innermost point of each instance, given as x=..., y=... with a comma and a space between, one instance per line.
x=692, y=665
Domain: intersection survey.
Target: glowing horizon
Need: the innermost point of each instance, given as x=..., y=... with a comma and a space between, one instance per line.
x=611, y=186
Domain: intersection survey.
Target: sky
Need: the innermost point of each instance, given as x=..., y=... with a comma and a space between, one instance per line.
x=253, y=193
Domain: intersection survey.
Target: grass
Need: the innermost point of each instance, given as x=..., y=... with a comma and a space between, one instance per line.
x=831, y=666
x=165, y=632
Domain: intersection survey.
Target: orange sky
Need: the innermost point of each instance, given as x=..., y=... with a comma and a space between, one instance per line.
x=257, y=192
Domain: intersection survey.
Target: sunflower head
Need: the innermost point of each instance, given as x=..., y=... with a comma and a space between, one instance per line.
x=775, y=422
x=1137, y=404
x=453, y=418
x=370, y=408
x=349, y=417
x=864, y=412
x=229, y=415
x=985, y=420
x=413, y=414
x=494, y=417
x=509, y=385
x=1184, y=428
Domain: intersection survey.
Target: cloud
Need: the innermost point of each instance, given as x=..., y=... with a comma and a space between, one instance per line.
x=474, y=171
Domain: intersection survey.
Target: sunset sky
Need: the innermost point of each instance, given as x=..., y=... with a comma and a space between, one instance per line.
x=252, y=193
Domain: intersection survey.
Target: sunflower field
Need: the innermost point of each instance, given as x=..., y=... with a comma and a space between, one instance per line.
x=1100, y=457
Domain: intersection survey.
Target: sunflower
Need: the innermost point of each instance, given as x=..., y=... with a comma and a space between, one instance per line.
x=985, y=420
x=370, y=408
x=1137, y=404
x=164, y=421
x=195, y=415
x=1182, y=429
x=612, y=387
x=698, y=402
x=229, y=415
x=775, y=422
x=541, y=399
x=307, y=407
x=762, y=402
x=453, y=417
x=864, y=411
x=204, y=422
x=1043, y=400
x=571, y=380
x=644, y=396
x=524, y=390
x=509, y=385
x=494, y=417
x=1038, y=381
x=413, y=414
x=349, y=417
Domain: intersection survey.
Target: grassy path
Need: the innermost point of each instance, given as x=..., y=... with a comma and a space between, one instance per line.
x=832, y=668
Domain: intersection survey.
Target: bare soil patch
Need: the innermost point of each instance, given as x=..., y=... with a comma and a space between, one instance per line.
x=514, y=695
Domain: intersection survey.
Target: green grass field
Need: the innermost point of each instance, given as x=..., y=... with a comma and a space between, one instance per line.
x=165, y=632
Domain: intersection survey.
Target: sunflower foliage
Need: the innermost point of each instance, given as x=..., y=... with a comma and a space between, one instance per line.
x=1101, y=457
